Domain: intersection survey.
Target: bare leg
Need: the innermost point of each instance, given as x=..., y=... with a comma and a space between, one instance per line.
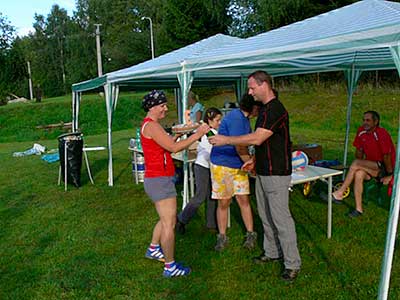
x=245, y=210
x=222, y=214
x=359, y=178
x=156, y=238
x=369, y=167
x=166, y=209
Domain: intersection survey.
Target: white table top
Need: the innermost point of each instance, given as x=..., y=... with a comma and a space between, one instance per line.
x=311, y=173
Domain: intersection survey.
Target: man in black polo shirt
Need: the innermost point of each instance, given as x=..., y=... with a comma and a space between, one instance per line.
x=273, y=166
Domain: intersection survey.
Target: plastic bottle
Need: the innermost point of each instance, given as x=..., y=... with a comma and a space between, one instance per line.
x=210, y=133
x=138, y=141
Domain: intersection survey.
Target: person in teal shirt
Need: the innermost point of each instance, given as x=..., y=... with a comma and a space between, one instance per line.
x=196, y=110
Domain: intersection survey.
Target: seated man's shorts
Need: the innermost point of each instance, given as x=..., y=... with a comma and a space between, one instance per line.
x=382, y=170
x=227, y=182
x=160, y=188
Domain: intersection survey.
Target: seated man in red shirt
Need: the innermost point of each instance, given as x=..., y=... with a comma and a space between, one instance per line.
x=375, y=158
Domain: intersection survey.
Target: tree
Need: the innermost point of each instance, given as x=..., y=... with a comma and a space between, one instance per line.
x=185, y=22
x=275, y=13
x=48, y=47
x=8, y=59
x=7, y=33
x=244, y=18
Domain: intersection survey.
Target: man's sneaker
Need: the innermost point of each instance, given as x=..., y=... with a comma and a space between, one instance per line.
x=156, y=254
x=222, y=242
x=176, y=270
x=290, y=275
x=262, y=259
x=250, y=241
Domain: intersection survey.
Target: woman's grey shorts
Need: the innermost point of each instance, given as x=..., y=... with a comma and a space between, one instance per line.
x=159, y=188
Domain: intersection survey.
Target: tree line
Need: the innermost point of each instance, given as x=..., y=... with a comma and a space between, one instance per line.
x=62, y=49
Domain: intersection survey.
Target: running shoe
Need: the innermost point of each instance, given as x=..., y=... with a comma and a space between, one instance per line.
x=176, y=270
x=156, y=254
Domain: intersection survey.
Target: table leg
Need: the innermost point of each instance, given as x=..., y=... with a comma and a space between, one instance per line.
x=88, y=167
x=329, y=207
x=191, y=180
x=185, y=199
x=65, y=166
x=135, y=164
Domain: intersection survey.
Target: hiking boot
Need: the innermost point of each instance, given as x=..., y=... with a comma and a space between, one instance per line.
x=156, y=254
x=176, y=270
x=262, y=259
x=355, y=214
x=222, y=242
x=290, y=275
x=250, y=240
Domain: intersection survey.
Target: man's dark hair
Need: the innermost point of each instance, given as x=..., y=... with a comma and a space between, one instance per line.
x=247, y=102
x=260, y=77
x=374, y=114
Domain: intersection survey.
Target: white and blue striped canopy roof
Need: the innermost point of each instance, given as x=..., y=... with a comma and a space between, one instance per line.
x=167, y=65
x=357, y=36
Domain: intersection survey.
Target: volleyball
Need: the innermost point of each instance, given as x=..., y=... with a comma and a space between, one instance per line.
x=299, y=160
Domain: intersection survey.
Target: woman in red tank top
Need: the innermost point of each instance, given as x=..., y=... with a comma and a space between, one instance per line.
x=158, y=182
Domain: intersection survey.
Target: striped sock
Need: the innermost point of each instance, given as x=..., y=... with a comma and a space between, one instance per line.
x=170, y=266
x=154, y=246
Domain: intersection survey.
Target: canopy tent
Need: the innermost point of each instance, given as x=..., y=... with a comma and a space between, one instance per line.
x=355, y=38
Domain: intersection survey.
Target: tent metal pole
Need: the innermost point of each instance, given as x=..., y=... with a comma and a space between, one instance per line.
x=394, y=208
x=77, y=109
x=73, y=111
x=177, y=93
x=393, y=221
x=109, y=106
x=346, y=139
x=185, y=79
x=238, y=89
x=352, y=77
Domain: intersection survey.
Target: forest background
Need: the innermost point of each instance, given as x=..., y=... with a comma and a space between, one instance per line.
x=62, y=48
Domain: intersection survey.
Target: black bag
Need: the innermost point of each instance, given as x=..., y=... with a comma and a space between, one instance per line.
x=74, y=144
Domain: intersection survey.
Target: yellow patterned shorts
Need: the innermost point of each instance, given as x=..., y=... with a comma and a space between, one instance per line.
x=227, y=182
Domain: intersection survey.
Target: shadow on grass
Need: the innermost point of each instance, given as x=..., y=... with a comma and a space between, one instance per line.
x=333, y=267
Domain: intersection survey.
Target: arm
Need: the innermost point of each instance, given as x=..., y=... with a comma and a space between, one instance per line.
x=254, y=138
x=243, y=152
x=155, y=131
x=198, y=116
x=389, y=169
x=249, y=165
x=388, y=163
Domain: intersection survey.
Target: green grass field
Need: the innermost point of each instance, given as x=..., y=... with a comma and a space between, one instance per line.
x=89, y=243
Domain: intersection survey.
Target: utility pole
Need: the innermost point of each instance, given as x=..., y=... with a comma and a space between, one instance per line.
x=151, y=36
x=30, y=80
x=98, y=48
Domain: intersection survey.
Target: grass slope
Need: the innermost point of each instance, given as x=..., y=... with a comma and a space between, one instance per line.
x=89, y=243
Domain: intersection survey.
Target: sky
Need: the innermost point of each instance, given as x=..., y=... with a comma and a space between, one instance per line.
x=21, y=12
